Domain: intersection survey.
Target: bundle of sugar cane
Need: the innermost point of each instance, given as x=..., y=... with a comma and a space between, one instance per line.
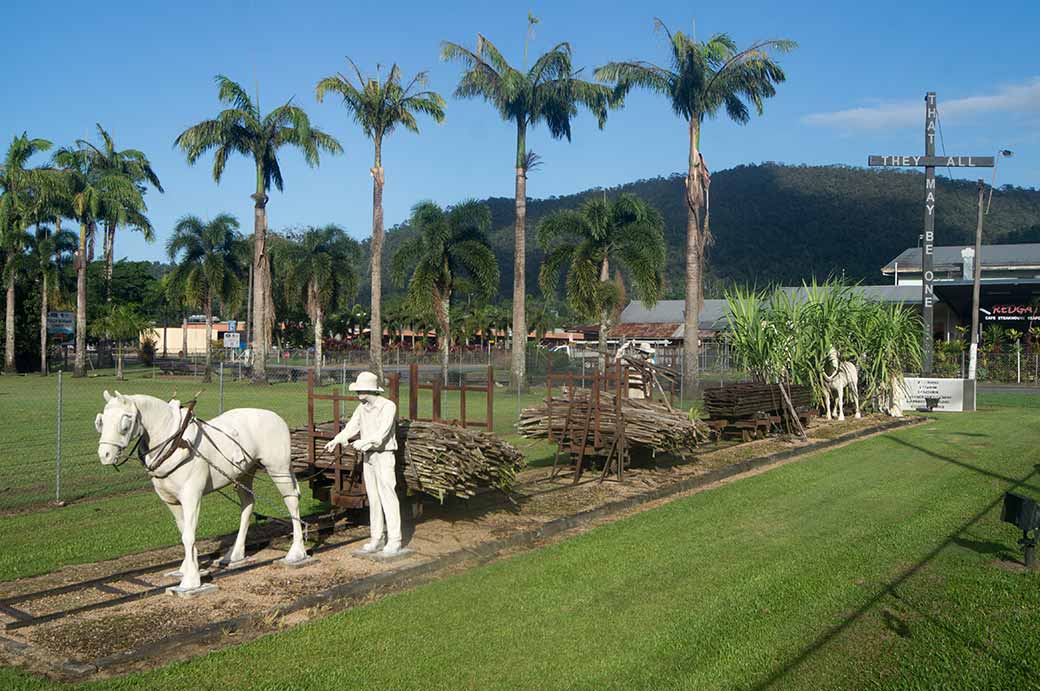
x=748, y=399
x=646, y=423
x=440, y=459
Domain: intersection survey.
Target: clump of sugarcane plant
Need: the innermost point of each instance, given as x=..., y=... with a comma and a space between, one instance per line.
x=783, y=336
x=762, y=336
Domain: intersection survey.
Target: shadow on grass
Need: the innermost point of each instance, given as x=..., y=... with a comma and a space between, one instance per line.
x=982, y=546
x=891, y=589
x=962, y=464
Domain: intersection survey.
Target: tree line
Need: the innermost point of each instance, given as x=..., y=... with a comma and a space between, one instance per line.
x=101, y=187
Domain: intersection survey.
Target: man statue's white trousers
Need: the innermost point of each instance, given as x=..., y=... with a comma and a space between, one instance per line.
x=381, y=484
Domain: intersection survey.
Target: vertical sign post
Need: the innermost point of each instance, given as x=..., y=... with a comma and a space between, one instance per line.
x=929, y=161
x=928, y=245
x=57, y=464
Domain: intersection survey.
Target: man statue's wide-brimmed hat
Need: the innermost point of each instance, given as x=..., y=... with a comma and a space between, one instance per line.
x=366, y=381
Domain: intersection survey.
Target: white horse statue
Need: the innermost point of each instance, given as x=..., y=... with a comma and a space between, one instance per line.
x=187, y=458
x=844, y=375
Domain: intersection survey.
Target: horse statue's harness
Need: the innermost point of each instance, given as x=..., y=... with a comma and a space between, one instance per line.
x=176, y=441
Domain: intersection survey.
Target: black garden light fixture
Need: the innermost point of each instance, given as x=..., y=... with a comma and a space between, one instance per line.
x=1024, y=513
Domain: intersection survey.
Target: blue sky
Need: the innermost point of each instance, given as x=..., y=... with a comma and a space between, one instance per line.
x=855, y=86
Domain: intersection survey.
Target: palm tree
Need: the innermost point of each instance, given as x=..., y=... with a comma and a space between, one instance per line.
x=120, y=323
x=89, y=194
x=208, y=266
x=321, y=275
x=19, y=185
x=626, y=233
x=243, y=129
x=449, y=253
x=540, y=317
x=549, y=92
x=134, y=165
x=702, y=79
x=481, y=319
x=175, y=295
x=49, y=251
x=379, y=107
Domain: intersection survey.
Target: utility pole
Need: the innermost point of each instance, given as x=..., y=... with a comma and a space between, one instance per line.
x=976, y=285
x=977, y=267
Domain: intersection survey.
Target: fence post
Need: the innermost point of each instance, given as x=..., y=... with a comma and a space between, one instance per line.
x=1018, y=365
x=57, y=461
x=343, y=378
x=682, y=379
x=437, y=399
x=220, y=389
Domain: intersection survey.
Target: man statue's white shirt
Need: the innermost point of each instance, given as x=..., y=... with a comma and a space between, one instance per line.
x=374, y=422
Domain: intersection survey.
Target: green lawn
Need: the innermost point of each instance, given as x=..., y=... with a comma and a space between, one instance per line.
x=877, y=564
x=28, y=427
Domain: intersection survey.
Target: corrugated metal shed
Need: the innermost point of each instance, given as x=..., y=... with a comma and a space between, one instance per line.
x=948, y=258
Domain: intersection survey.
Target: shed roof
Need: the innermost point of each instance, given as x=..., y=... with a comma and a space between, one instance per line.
x=713, y=312
x=948, y=257
x=673, y=312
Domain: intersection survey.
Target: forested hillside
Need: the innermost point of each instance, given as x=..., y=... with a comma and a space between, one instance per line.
x=778, y=223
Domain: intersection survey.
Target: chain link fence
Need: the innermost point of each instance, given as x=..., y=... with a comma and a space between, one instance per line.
x=1016, y=367
x=48, y=444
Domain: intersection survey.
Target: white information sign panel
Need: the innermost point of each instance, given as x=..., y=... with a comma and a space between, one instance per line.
x=955, y=395
x=61, y=323
x=232, y=339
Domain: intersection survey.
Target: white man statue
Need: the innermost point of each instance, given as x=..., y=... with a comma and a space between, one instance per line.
x=374, y=424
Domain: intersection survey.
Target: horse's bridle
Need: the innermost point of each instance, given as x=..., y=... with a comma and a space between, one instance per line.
x=168, y=446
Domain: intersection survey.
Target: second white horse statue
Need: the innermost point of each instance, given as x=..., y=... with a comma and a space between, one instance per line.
x=187, y=458
x=844, y=375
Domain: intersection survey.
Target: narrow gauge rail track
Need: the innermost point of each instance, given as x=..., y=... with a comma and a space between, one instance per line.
x=145, y=576
x=142, y=577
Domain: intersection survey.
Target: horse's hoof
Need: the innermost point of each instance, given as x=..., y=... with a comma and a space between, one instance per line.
x=183, y=592
x=297, y=563
x=232, y=564
x=296, y=557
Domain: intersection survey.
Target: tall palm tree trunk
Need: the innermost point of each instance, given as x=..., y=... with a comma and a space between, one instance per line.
x=9, y=367
x=43, y=324
x=110, y=241
x=519, y=368
x=261, y=282
x=80, y=364
x=208, y=377
x=375, y=344
x=694, y=261
x=443, y=305
x=604, y=317
x=184, y=337
x=319, y=337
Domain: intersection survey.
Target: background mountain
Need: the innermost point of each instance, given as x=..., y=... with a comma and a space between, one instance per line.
x=779, y=223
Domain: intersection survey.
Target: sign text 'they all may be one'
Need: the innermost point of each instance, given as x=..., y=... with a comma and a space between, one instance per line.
x=929, y=161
